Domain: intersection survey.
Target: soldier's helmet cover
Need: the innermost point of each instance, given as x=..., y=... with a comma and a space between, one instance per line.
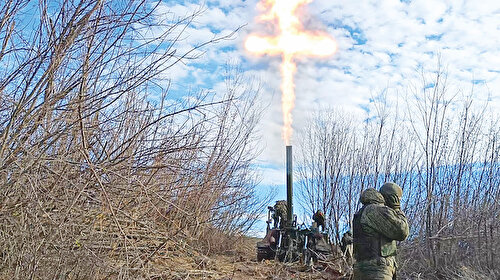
x=319, y=214
x=371, y=196
x=392, y=194
x=389, y=189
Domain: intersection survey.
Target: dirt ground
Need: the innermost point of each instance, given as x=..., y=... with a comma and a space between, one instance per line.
x=242, y=265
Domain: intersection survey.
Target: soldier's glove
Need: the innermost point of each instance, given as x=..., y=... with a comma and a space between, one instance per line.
x=393, y=201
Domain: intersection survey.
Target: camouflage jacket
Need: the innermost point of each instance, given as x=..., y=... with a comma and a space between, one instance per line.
x=386, y=221
x=376, y=227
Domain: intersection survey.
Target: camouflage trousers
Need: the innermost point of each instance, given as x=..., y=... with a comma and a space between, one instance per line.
x=376, y=269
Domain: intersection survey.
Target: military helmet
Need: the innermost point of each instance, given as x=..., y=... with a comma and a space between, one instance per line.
x=371, y=196
x=319, y=214
x=390, y=188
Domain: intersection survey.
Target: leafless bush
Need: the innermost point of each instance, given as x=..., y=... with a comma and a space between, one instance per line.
x=101, y=172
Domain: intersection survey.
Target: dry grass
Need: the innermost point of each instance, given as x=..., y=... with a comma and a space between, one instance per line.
x=241, y=264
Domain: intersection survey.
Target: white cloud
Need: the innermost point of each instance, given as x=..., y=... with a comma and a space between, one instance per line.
x=381, y=44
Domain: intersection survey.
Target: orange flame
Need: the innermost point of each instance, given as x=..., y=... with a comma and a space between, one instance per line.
x=292, y=41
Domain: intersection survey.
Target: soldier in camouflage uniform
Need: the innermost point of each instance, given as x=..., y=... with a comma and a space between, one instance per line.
x=279, y=215
x=376, y=227
x=346, y=246
x=319, y=218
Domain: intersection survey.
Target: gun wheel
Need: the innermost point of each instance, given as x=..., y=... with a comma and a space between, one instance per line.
x=264, y=255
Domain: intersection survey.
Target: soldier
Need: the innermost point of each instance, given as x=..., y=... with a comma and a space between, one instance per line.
x=376, y=227
x=279, y=215
x=319, y=218
x=346, y=240
x=346, y=246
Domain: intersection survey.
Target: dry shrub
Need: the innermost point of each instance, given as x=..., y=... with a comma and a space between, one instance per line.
x=100, y=170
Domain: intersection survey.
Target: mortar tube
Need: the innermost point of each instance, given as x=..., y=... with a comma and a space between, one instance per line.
x=289, y=186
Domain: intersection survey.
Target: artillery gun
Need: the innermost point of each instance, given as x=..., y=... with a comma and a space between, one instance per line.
x=285, y=240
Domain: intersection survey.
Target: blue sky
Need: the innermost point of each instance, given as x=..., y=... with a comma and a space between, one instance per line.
x=381, y=47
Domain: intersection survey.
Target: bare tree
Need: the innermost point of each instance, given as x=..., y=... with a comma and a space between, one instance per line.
x=441, y=147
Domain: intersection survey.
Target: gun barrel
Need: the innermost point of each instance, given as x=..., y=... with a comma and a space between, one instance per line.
x=289, y=185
